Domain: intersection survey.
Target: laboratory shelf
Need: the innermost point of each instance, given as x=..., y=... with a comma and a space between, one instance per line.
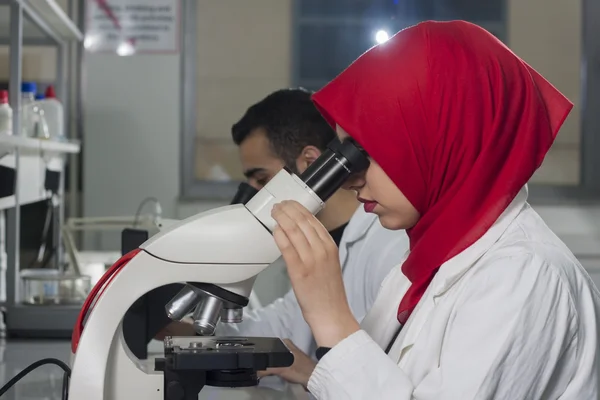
x=11, y=201
x=54, y=17
x=31, y=187
x=44, y=19
x=27, y=145
x=35, y=166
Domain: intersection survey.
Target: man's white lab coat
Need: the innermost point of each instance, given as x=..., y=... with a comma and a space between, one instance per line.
x=513, y=317
x=368, y=252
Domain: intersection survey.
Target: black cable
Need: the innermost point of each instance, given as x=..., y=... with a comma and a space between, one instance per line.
x=65, y=387
x=20, y=375
x=44, y=263
x=49, y=256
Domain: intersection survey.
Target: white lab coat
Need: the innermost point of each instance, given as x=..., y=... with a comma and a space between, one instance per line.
x=368, y=252
x=513, y=317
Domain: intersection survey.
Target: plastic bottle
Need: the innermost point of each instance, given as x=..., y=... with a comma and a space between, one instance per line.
x=28, y=90
x=40, y=97
x=5, y=114
x=54, y=113
x=40, y=125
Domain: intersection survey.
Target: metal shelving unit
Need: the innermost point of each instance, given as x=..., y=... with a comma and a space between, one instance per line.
x=23, y=23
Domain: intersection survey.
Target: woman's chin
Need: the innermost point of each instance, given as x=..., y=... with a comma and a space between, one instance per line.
x=393, y=223
x=390, y=223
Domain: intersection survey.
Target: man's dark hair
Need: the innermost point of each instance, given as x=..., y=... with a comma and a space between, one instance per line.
x=291, y=122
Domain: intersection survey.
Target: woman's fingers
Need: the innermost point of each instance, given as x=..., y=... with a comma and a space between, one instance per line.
x=299, y=231
x=319, y=229
x=295, y=237
x=288, y=251
x=304, y=220
x=314, y=268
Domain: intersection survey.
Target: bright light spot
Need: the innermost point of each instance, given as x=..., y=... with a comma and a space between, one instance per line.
x=381, y=36
x=125, y=49
x=90, y=41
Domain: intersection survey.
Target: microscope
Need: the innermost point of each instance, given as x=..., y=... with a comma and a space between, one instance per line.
x=218, y=255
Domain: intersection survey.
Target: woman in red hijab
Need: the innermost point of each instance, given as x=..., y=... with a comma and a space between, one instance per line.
x=489, y=303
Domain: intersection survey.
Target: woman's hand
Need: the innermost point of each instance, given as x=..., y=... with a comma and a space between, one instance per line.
x=313, y=266
x=299, y=372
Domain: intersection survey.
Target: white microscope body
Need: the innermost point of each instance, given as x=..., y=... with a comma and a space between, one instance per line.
x=226, y=247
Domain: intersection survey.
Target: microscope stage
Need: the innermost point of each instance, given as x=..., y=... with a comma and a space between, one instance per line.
x=226, y=353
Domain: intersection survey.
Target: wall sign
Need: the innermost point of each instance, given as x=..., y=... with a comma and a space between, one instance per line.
x=129, y=27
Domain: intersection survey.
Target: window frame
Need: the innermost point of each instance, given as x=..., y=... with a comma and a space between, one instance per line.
x=190, y=187
x=588, y=191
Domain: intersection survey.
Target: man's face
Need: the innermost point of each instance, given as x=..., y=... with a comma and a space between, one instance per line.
x=259, y=163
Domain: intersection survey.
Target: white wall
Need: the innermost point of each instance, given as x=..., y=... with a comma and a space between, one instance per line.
x=131, y=142
x=244, y=51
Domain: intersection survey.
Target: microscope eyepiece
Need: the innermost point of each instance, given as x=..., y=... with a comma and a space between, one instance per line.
x=341, y=160
x=244, y=193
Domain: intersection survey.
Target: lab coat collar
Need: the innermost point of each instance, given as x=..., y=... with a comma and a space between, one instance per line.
x=357, y=229
x=452, y=270
x=358, y=226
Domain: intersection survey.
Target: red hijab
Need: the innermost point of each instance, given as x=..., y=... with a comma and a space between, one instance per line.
x=457, y=121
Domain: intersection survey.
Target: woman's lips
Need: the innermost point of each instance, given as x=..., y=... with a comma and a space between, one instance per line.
x=368, y=205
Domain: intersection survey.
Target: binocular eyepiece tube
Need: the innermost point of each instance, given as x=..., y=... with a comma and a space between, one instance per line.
x=314, y=186
x=324, y=176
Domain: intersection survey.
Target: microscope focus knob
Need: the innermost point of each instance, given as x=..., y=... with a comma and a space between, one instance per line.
x=175, y=391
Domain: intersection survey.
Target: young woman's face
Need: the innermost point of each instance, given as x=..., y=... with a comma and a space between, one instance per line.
x=381, y=196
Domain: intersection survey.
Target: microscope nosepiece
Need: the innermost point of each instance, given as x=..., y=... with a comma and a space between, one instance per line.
x=233, y=315
x=183, y=303
x=207, y=315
